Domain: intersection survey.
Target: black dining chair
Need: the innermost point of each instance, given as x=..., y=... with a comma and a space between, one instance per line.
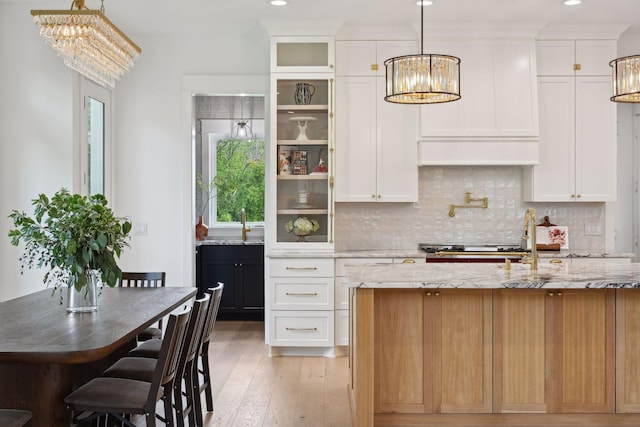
x=142, y=368
x=145, y=280
x=14, y=417
x=201, y=365
x=122, y=397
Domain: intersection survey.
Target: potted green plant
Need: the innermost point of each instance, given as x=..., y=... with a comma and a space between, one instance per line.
x=78, y=238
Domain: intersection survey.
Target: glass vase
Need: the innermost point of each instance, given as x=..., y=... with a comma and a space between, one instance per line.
x=86, y=299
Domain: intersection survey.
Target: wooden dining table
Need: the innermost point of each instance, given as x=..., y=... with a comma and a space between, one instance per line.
x=45, y=352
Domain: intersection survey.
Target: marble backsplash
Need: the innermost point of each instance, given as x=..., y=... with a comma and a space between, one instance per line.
x=374, y=226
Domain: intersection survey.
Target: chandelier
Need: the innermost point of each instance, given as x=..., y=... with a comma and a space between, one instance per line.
x=422, y=78
x=88, y=42
x=626, y=79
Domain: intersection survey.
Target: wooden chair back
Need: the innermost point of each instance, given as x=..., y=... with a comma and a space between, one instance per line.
x=142, y=280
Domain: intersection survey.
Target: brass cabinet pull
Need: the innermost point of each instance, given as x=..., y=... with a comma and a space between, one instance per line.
x=437, y=294
x=577, y=67
x=302, y=329
x=559, y=293
x=550, y=294
x=555, y=261
x=428, y=294
x=374, y=67
x=302, y=268
x=408, y=261
x=306, y=294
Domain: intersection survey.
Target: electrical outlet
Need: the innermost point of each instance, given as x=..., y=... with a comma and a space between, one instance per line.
x=592, y=229
x=139, y=228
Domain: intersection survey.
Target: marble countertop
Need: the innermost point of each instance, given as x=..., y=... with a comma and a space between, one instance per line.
x=493, y=276
x=417, y=253
x=230, y=242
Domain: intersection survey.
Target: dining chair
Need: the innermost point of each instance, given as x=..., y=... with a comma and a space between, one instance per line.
x=142, y=368
x=14, y=417
x=200, y=367
x=145, y=280
x=122, y=397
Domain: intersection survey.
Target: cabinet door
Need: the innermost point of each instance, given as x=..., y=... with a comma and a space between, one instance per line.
x=225, y=272
x=252, y=280
x=627, y=351
x=397, y=150
x=555, y=57
x=355, y=58
x=461, y=361
x=356, y=139
x=582, y=358
x=595, y=140
x=520, y=351
x=401, y=352
x=553, y=179
x=594, y=57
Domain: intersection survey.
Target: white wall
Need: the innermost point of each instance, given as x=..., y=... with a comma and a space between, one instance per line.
x=152, y=154
x=35, y=132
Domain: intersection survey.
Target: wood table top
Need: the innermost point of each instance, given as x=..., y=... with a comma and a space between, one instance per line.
x=36, y=328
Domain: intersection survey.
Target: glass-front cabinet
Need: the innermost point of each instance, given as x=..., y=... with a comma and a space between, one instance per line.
x=302, y=127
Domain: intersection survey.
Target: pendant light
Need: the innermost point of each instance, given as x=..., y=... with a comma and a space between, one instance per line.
x=422, y=78
x=88, y=42
x=241, y=128
x=626, y=79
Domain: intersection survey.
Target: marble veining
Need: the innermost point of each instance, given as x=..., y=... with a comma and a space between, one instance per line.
x=229, y=242
x=493, y=276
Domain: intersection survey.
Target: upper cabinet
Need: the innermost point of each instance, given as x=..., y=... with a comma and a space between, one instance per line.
x=302, y=54
x=376, y=140
x=577, y=124
x=575, y=57
x=300, y=191
x=496, y=121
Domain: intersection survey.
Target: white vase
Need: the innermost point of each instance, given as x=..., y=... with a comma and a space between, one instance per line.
x=86, y=299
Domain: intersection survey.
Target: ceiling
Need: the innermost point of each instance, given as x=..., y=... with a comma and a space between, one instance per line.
x=219, y=16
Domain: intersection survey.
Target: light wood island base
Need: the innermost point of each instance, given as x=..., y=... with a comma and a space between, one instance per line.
x=454, y=357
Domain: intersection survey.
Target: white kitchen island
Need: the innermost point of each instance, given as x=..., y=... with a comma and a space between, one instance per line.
x=484, y=344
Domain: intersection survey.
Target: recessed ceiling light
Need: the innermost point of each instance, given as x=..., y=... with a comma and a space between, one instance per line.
x=572, y=2
x=424, y=2
x=278, y=2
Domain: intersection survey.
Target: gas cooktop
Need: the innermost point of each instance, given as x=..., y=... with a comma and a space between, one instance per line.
x=433, y=248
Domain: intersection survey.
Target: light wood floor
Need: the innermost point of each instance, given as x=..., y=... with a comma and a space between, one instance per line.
x=251, y=389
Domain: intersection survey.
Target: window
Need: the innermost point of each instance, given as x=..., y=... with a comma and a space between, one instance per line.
x=238, y=168
x=229, y=159
x=94, y=116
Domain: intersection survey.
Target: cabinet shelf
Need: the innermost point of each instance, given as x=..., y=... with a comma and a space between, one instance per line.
x=302, y=177
x=303, y=142
x=307, y=108
x=302, y=211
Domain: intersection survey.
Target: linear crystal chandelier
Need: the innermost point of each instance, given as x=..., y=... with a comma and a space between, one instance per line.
x=626, y=79
x=88, y=42
x=422, y=78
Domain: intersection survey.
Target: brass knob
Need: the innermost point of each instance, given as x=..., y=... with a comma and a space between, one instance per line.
x=550, y=294
x=437, y=294
x=428, y=294
x=559, y=294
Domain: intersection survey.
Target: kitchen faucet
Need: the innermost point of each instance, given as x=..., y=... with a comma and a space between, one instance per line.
x=243, y=219
x=530, y=224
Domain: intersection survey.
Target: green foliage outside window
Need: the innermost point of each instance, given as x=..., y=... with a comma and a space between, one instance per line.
x=240, y=179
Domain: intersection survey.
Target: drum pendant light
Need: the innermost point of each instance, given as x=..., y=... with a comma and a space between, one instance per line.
x=626, y=79
x=422, y=78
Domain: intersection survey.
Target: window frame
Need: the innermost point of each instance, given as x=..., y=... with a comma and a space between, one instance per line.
x=84, y=89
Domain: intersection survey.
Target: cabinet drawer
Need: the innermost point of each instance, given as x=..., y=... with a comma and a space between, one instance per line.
x=301, y=267
x=302, y=328
x=302, y=293
x=340, y=263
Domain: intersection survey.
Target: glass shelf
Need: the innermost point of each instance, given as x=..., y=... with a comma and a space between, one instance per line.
x=302, y=146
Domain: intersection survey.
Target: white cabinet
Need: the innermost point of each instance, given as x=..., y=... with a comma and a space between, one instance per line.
x=376, y=141
x=301, y=302
x=575, y=57
x=302, y=54
x=577, y=129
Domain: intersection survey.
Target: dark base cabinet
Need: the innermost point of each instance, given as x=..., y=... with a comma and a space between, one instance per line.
x=241, y=269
